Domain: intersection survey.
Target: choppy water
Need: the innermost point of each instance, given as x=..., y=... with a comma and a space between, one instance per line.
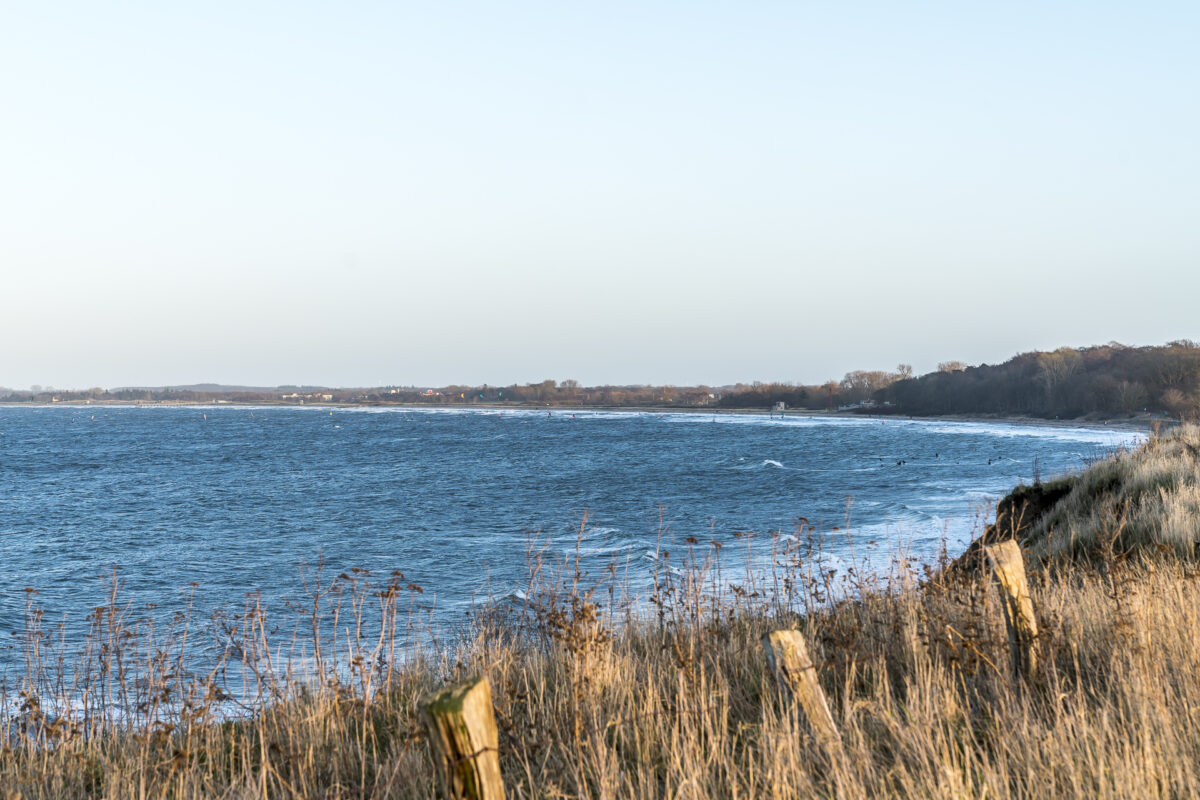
x=236, y=498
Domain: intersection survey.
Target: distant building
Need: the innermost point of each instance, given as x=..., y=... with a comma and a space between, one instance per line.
x=302, y=397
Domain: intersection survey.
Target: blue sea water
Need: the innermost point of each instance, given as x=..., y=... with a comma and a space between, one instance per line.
x=236, y=499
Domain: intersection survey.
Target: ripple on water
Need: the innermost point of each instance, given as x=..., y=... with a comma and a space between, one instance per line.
x=455, y=498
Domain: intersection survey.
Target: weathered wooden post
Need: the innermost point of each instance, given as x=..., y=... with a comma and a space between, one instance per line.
x=1009, y=568
x=797, y=680
x=462, y=732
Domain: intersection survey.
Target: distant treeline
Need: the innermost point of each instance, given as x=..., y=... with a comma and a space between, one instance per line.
x=1108, y=380
x=856, y=387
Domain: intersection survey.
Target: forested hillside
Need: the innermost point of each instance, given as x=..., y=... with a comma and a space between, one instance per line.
x=1110, y=379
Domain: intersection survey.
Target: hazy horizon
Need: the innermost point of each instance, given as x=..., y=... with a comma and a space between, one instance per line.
x=364, y=195
x=250, y=386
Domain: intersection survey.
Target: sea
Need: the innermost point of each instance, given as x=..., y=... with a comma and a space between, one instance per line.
x=225, y=502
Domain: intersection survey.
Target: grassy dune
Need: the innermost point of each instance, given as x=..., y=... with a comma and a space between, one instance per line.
x=675, y=700
x=1149, y=497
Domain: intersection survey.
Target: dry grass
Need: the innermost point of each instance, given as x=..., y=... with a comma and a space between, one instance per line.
x=670, y=700
x=1151, y=493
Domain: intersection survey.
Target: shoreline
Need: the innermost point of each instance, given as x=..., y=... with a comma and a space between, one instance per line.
x=1141, y=423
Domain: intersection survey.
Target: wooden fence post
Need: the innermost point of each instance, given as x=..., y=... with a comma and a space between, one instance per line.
x=462, y=732
x=797, y=680
x=1009, y=568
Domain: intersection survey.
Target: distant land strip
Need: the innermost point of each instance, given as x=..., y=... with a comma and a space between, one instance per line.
x=1109, y=382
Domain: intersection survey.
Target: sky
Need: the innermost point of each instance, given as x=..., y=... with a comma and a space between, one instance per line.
x=362, y=193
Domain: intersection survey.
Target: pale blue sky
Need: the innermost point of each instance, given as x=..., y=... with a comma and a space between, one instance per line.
x=362, y=193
